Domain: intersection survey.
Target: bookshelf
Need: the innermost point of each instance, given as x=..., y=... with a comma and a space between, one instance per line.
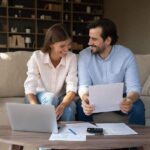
x=23, y=23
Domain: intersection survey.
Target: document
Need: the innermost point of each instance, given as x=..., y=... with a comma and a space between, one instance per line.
x=116, y=129
x=67, y=137
x=106, y=97
x=78, y=131
x=72, y=132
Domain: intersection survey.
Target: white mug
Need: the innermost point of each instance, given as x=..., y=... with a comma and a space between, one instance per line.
x=28, y=30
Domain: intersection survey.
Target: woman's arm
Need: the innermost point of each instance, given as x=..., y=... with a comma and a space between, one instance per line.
x=31, y=81
x=32, y=99
x=71, y=85
x=69, y=97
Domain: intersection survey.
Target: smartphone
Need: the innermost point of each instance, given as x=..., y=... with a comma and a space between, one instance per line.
x=95, y=130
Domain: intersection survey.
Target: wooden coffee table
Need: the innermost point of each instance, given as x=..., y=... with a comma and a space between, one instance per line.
x=21, y=139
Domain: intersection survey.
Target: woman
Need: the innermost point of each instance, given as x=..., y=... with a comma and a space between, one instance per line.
x=52, y=74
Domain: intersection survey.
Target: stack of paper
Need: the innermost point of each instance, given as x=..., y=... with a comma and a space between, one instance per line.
x=78, y=131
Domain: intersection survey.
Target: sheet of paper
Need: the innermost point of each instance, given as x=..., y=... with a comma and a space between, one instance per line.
x=106, y=97
x=116, y=129
x=72, y=132
x=67, y=137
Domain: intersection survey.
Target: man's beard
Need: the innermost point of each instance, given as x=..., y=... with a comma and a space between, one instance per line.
x=98, y=49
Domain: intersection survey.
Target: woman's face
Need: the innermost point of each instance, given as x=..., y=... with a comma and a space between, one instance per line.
x=61, y=48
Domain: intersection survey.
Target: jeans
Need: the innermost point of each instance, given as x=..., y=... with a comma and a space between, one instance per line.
x=136, y=114
x=47, y=98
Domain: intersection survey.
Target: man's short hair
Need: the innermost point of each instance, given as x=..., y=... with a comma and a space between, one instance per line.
x=108, y=29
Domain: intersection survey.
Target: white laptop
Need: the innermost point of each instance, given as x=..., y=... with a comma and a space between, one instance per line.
x=35, y=118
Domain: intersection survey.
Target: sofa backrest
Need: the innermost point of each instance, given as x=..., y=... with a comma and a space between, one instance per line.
x=13, y=70
x=13, y=73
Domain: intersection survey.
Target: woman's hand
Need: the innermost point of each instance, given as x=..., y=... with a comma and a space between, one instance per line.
x=60, y=110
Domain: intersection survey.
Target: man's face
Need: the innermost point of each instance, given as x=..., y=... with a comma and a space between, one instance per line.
x=96, y=42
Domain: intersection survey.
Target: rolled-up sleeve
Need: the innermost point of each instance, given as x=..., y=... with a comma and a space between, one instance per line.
x=132, y=79
x=71, y=79
x=30, y=83
x=83, y=74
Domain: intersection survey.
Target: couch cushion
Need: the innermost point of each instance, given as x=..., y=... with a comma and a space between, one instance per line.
x=110, y=117
x=13, y=73
x=143, y=63
x=146, y=100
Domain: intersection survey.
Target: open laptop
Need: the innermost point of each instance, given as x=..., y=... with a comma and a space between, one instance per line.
x=35, y=118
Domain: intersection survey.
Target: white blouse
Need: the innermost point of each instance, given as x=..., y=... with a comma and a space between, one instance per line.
x=43, y=76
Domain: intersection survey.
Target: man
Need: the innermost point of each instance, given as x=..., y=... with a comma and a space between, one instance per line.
x=104, y=62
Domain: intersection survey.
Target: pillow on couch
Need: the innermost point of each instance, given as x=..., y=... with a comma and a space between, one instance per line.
x=146, y=87
x=13, y=73
x=143, y=61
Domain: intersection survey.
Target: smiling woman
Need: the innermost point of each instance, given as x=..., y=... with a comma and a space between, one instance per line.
x=52, y=74
x=55, y=33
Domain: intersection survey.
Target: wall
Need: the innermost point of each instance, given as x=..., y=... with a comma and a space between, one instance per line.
x=132, y=18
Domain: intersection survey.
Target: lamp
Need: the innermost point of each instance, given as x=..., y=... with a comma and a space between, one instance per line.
x=27, y=41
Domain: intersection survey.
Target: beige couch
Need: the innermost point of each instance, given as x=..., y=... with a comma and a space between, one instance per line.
x=13, y=73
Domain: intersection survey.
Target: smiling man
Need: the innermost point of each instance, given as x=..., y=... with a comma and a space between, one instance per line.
x=104, y=62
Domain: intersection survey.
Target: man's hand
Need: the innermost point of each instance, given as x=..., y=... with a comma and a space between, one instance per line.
x=60, y=110
x=87, y=108
x=126, y=105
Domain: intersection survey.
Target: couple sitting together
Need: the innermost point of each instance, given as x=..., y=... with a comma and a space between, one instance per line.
x=55, y=75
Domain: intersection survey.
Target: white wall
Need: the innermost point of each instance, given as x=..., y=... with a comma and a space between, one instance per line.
x=132, y=18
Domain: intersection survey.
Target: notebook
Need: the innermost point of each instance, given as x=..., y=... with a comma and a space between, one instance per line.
x=34, y=118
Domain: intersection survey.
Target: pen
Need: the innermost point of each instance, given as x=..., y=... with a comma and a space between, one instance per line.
x=93, y=123
x=72, y=131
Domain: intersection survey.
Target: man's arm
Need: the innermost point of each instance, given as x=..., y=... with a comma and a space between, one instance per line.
x=83, y=74
x=84, y=82
x=132, y=83
x=132, y=79
x=132, y=96
x=128, y=101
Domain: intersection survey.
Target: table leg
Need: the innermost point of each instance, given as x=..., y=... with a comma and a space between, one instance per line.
x=15, y=147
x=140, y=148
x=146, y=147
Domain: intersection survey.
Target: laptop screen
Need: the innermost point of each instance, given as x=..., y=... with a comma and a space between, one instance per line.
x=34, y=118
